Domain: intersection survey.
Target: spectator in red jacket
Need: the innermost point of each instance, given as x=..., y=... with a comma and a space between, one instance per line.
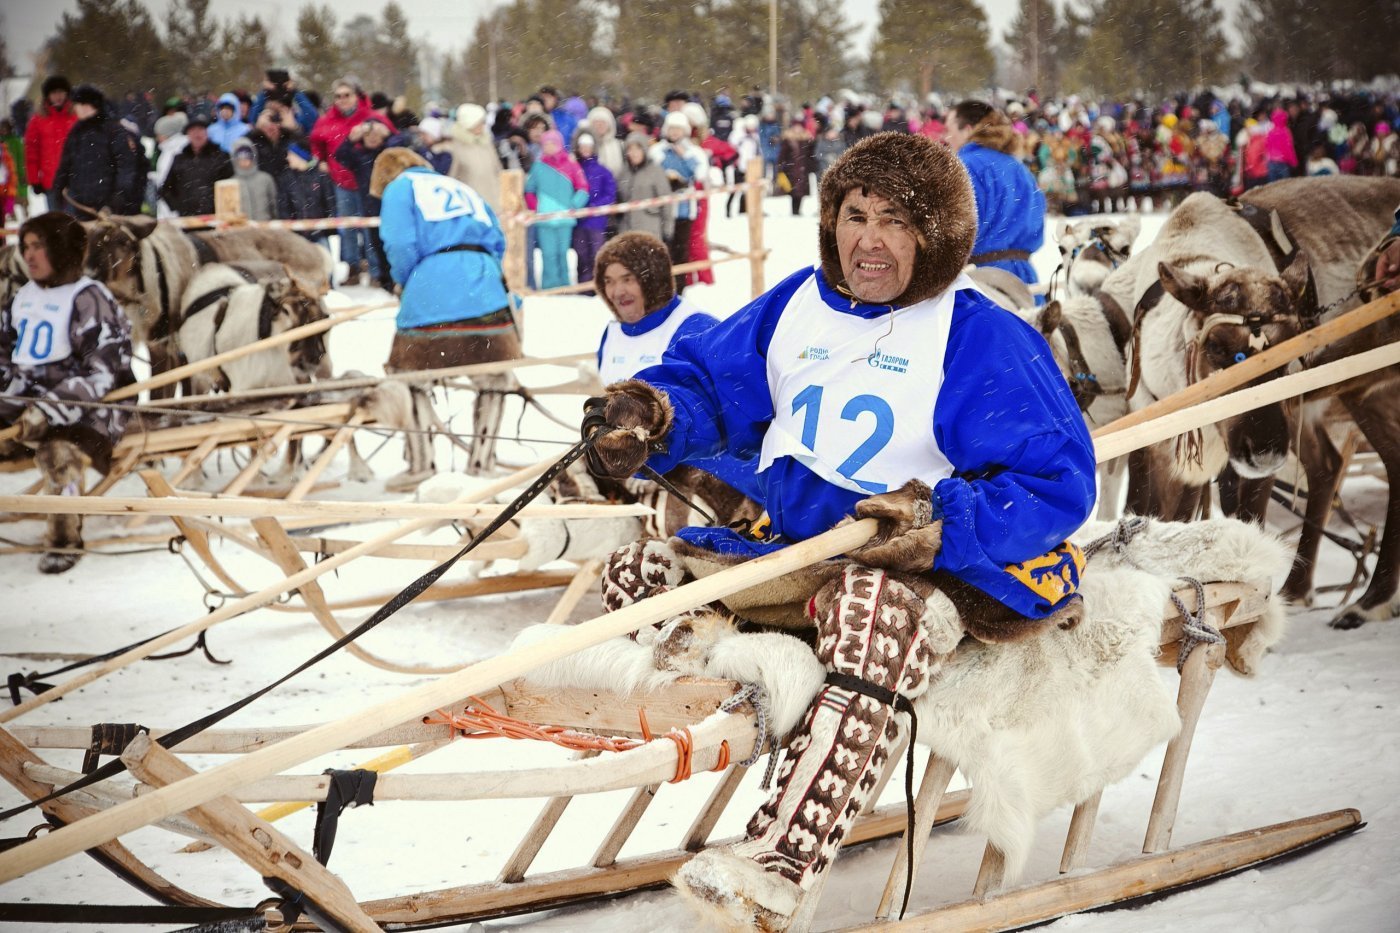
x=349, y=108
x=46, y=133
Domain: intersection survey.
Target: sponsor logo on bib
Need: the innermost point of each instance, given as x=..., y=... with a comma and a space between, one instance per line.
x=887, y=361
x=813, y=353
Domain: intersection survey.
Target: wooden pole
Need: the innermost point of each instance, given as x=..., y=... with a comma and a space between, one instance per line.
x=753, y=205
x=1110, y=445
x=228, y=204
x=253, y=507
x=1291, y=349
x=263, y=848
x=205, y=786
x=512, y=205
x=255, y=600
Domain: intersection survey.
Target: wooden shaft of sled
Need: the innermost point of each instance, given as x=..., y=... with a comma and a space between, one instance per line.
x=15, y=760
x=193, y=461
x=261, y=453
x=252, y=507
x=1224, y=380
x=699, y=832
x=1197, y=675
x=255, y=600
x=206, y=785
x=237, y=353
x=991, y=873
x=624, y=826
x=937, y=775
x=1108, y=446
x=367, y=382
x=509, y=549
x=1137, y=877
x=578, y=588
x=1081, y=831
x=753, y=204
x=333, y=447
x=256, y=842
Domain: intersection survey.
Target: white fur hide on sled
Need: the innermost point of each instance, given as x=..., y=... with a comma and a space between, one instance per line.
x=1032, y=725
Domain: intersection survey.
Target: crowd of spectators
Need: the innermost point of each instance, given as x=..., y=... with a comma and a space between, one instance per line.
x=298, y=155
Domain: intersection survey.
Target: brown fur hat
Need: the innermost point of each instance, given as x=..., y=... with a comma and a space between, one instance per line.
x=389, y=165
x=928, y=181
x=64, y=239
x=647, y=258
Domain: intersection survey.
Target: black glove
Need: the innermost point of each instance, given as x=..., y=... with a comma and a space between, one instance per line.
x=909, y=537
x=627, y=424
x=37, y=189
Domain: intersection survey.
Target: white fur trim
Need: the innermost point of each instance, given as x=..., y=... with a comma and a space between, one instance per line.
x=731, y=892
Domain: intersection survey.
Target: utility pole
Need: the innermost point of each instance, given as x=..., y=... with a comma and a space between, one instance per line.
x=773, y=47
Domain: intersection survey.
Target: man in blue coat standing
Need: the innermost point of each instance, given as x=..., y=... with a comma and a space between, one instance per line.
x=445, y=246
x=1010, y=205
x=879, y=383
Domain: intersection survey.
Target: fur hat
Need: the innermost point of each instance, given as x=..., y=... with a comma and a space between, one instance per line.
x=389, y=165
x=644, y=256
x=64, y=240
x=470, y=116
x=924, y=178
x=172, y=124
x=678, y=119
x=90, y=95
x=695, y=113
x=55, y=83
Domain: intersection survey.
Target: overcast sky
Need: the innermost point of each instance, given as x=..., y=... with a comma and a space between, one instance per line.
x=445, y=23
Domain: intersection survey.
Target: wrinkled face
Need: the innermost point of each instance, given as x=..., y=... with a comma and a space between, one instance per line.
x=624, y=293
x=1258, y=441
x=36, y=259
x=878, y=247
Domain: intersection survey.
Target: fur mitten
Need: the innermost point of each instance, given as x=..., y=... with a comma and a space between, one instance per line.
x=908, y=538
x=32, y=426
x=628, y=423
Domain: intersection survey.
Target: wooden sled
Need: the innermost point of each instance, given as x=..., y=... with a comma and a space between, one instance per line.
x=696, y=705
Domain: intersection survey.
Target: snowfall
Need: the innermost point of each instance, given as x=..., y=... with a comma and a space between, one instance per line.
x=1316, y=730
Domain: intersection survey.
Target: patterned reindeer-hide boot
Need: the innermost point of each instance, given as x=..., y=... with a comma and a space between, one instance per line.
x=875, y=634
x=486, y=419
x=62, y=464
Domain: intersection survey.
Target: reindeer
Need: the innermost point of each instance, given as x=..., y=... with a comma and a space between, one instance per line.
x=1091, y=249
x=1224, y=282
x=148, y=265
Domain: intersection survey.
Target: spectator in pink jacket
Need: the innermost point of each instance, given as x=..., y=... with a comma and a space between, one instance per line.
x=1278, y=146
x=349, y=108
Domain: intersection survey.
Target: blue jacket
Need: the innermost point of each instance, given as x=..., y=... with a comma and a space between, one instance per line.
x=1004, y=418
x=303, y=111
x=1010, y=208
x=222, y=133
x=441, y=287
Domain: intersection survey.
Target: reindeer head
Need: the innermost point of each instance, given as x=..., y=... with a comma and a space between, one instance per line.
x=297, y=306
x=1090, y=250
x=1069, y=355
x=1236, y=313
x=114, y=254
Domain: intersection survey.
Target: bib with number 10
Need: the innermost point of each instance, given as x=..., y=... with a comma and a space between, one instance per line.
x=440, y=197
x=853, y=398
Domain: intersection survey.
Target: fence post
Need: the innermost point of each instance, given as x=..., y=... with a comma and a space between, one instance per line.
x=753, y=204
x=512, y=204
x=227, y=204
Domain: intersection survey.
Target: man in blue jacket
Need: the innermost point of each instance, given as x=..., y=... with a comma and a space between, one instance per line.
x=445, y=247
x=880, y=383
x=1010, y=205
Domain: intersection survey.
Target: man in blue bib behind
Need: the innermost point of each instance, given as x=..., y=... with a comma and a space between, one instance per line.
x=879, y=383
x=445, y=247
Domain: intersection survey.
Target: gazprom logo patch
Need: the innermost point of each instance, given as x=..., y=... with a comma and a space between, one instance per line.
x=813, y=353
x=887, y=361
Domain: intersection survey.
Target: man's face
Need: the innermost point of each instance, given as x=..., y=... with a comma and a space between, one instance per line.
x=84, y=111
x=57, y=99
x=36, y=259
x=876, y=243
x=957, y=134
x=198, y=136
x=624, y=293
x=345, y=99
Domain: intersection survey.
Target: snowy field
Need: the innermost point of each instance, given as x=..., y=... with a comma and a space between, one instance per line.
x=1315, y=731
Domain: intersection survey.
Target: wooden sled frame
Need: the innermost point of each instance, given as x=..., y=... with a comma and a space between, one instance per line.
x=1232, y=607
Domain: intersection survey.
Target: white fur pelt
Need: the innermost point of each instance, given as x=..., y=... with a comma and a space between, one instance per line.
x=783, y=666
x=1033, y=725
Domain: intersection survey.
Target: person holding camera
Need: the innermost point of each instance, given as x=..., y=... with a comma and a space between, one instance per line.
x=279, y=87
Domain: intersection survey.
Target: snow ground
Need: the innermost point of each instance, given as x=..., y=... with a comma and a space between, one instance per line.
x=1267, y=750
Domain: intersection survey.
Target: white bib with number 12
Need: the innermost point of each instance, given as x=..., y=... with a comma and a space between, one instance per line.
x=853, y=398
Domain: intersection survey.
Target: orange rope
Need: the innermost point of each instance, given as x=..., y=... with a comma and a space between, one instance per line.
x=481, y=721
